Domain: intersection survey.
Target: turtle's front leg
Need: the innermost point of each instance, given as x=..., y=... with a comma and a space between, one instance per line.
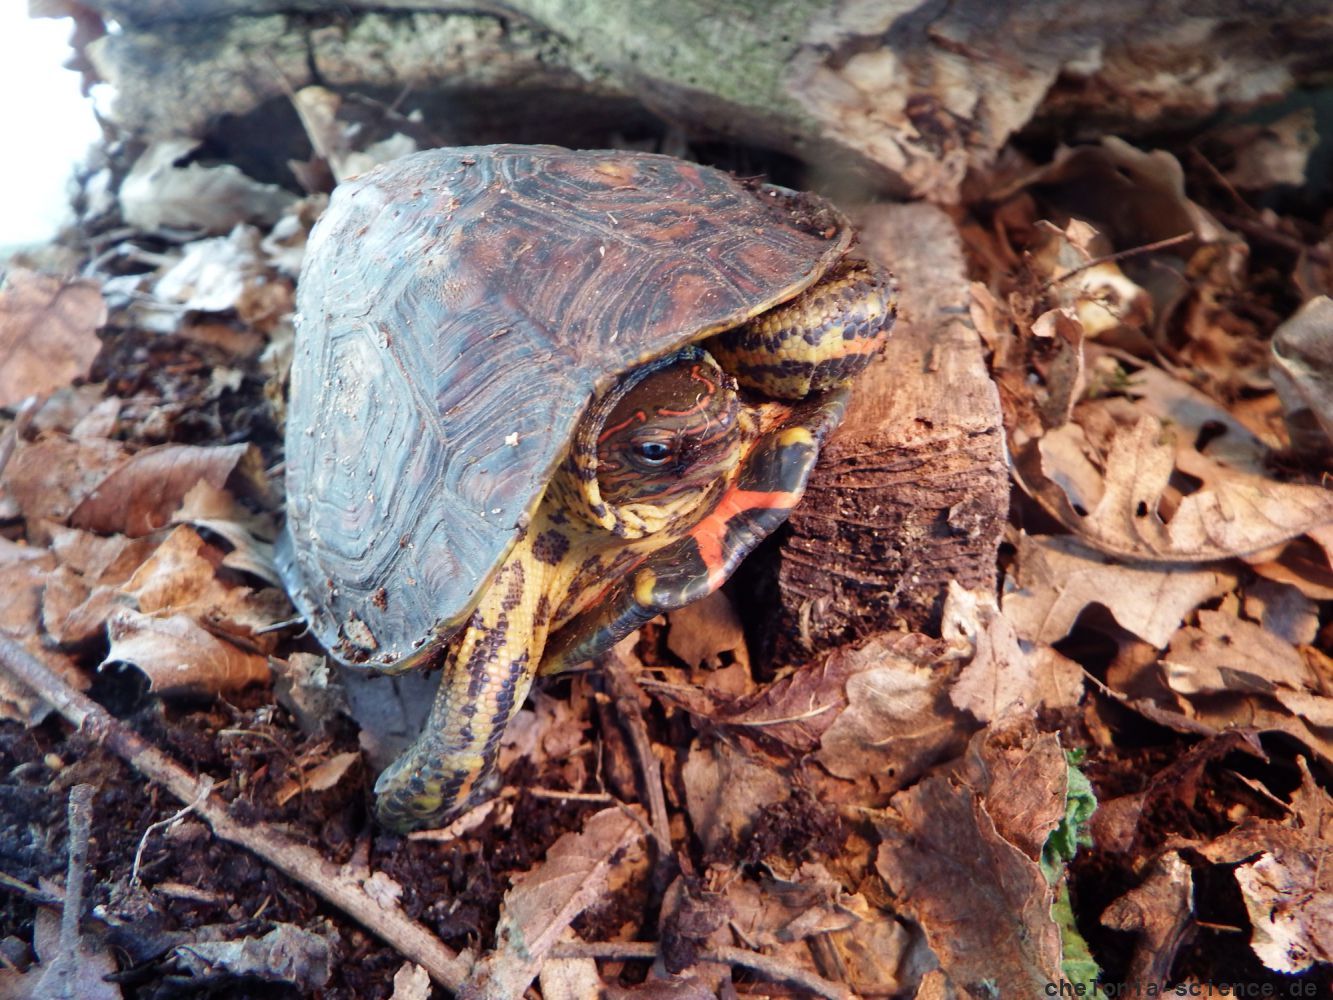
x=487, y=674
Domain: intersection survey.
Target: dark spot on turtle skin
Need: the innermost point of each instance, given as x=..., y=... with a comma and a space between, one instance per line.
x=380, y=598
x=550, y=547
x=514, y=591
x=484, y=652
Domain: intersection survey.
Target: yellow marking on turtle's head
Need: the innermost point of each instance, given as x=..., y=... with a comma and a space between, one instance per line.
x=645, y=581
x=796, y=435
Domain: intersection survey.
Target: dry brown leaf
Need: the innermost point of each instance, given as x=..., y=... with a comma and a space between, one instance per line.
x=1283, y=610
x=319, y=778
x=725, y=789
x=1303, y=564
x=250, y=535
x=141, y=495
x=542, y=902
x=1234, y=513
x=179, y=577
x=1290, y=903
x=1055, y=578
x=24, y=571
x=999, y=681
x=1312, y=806
x=773, y=912
x=1097, y=296
x=1226, y=653
x=984, y=905
x=1287, y=888
x=100, y=559
x=874, y=952
x=51, y=476
x=73, y=613
x=310, y=690
x=83, y=974
x=1302, y=373
x=1058, y=680
x=1205, y=426
x=701, y=632
x=180, y=657
x=1023, y=780
x=897, y=723
x=1160, y=911
x=48, y=333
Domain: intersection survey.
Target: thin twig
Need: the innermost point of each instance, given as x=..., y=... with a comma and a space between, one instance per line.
x=1258, y=230
x=773, y=969
x=1170, y=241
x=556, y=793
x=205, y=790
x=8, y=881
x=64, y=971
x=295, y=860
x=625, y=692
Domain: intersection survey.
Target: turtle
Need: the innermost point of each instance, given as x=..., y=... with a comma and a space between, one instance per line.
x=540, y=396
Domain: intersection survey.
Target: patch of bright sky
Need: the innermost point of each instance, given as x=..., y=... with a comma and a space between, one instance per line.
x=46, y=125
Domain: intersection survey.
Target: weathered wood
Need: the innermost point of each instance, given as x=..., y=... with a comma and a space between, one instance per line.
x=908, y=96
x=913, y=489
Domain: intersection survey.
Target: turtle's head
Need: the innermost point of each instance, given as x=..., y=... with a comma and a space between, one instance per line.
x=656, y=448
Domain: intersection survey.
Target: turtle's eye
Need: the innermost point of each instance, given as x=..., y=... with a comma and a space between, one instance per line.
x=653, y=453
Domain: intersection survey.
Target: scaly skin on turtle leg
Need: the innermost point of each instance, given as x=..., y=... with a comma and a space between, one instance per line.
x=487, y=674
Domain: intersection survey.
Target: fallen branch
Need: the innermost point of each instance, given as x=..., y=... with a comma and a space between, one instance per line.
x=295, y=860
x=770, y=968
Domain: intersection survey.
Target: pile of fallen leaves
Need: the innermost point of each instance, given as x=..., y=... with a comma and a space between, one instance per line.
x=1115, y=771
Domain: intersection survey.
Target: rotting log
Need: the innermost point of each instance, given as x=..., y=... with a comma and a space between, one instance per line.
x=913, y=489
x=906, y=97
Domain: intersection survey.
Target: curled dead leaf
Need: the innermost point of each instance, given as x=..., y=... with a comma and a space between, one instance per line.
x=543, y=901
x=1302, y=373
x=984, y=905
x=141, y=495
x=1054, y=579
x=158, y=193
x=1233, y=513
x=179, y=656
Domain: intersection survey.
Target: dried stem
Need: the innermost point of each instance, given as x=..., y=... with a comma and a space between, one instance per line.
x=295, y=860
x=770, y=968
x=1170, y=241
x=65, y=969
x=625, y=692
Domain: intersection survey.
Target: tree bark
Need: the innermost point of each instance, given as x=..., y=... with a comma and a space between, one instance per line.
x=905, y=97
x=913, y=490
